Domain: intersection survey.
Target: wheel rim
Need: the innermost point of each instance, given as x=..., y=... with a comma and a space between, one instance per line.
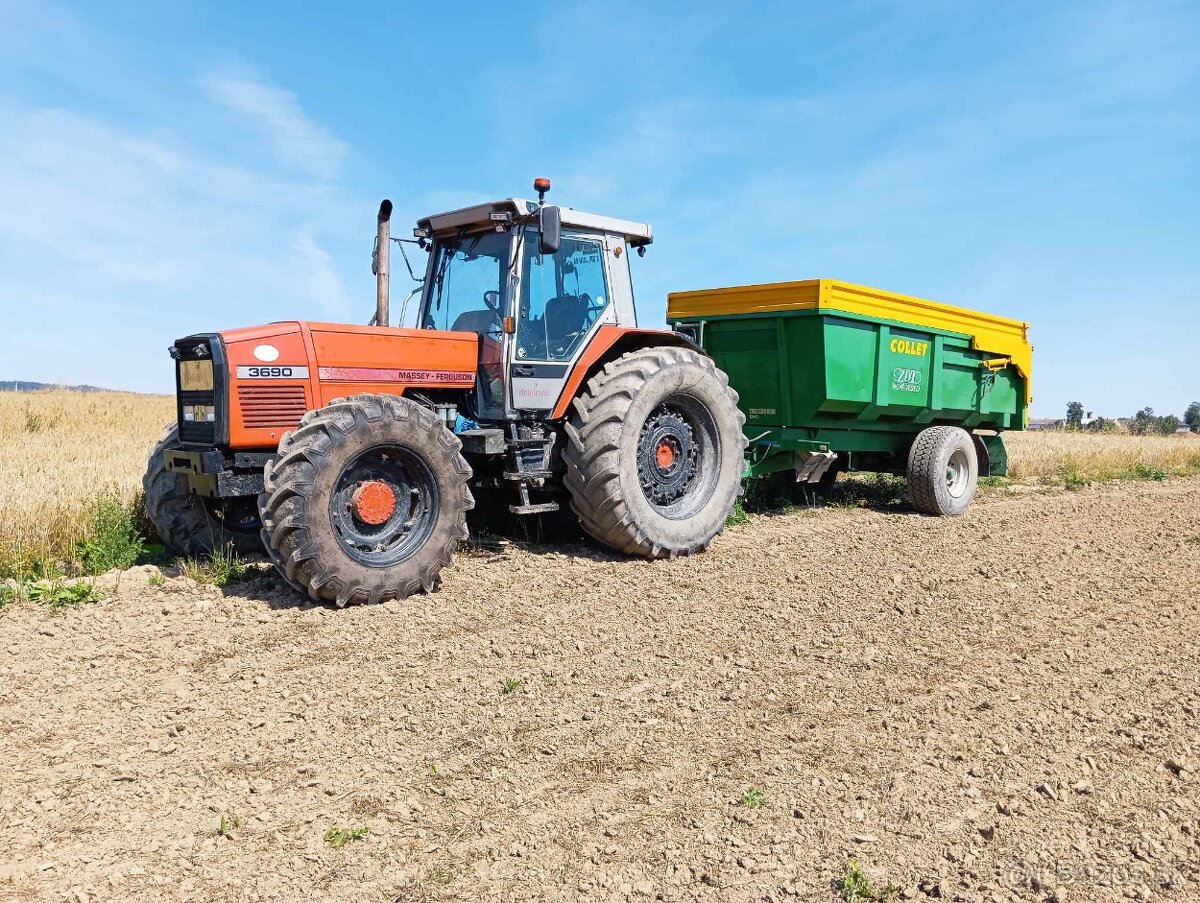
x=384, y=505
x=677, y=454
x=958, y=473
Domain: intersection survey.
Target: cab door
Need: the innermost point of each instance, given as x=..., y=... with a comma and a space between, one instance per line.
x=561, y=300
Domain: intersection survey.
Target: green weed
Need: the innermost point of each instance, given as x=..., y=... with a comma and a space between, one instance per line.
x=753, y=798
x=8, y=595
x=338, y=837
x=510, y=685
x=114, y=539
x=227, y=825
x=738, y=516
x=41, y=421
x=857, y=887
x=154, y=552
x=874, y=490
x=220, y=569
x=57, y=596
x=1144, y=471
x=775, y=493
x=442, y=876
x=1069, y=473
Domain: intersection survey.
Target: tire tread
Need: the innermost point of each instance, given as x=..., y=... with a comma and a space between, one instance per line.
x=593, y=476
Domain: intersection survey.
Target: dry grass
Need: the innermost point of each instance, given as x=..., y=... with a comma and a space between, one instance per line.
x=59, y=450
x=1047, y=455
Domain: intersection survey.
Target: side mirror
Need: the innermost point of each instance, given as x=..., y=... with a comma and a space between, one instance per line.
x=549, y=230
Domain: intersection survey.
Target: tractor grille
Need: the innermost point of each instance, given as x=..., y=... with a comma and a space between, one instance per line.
x=265, y=407
x=195, y=355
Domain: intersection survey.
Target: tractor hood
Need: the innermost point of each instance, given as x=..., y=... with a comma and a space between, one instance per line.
x=265, y=378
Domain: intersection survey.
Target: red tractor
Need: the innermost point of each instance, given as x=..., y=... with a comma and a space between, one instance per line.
x=353, y=453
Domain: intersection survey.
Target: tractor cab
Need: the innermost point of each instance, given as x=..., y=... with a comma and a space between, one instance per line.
x=535, y=283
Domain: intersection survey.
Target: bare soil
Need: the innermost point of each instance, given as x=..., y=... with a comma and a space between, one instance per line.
x=1000, y=706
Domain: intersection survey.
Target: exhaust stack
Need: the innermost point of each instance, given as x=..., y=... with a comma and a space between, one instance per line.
x=383, y=242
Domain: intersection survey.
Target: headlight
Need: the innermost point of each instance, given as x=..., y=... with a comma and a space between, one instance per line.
x=199, y=413
x=196, y=376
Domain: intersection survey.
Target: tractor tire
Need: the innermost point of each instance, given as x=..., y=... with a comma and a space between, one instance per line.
x=187, y=524
x=655, y=453
x=366, y=502
x=943, y=471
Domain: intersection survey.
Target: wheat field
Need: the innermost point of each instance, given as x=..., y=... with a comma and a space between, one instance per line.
x=1044, y=455
x=60, y=450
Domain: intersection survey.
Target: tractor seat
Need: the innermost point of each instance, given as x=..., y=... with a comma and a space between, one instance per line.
x=477, y=321
x=565, y=315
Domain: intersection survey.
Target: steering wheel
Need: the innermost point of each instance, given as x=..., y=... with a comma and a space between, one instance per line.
x=492, y=300
x=592, y=306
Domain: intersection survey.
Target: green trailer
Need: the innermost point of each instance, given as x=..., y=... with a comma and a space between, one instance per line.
x=835, y=376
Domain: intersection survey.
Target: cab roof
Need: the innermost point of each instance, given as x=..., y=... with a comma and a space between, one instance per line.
x=480, y=215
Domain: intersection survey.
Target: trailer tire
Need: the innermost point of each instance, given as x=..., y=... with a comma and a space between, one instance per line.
x=655, y=453
x=331, y=545
x=186, y=524
x=943, y=471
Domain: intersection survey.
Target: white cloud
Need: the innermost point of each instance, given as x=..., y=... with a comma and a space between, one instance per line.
x=320, y=281
x=128, y=238
x=277, y=115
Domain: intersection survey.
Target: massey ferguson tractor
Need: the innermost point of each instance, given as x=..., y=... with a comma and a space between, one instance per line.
x=351, y=453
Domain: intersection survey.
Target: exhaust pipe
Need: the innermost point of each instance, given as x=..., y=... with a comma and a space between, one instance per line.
x=383, y=242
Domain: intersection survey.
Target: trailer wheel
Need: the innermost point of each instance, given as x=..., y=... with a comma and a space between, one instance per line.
x=655, y=452
x=367, y=501
x=187, y=524
x=943, y=470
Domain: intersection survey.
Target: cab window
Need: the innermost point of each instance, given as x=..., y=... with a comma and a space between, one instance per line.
x=561, y=296
x=467, y=277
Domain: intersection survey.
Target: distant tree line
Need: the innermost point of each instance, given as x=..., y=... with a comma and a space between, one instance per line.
x=1144, y=423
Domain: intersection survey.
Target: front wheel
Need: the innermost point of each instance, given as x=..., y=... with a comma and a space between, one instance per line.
x=366, y=501
x=943, y=470
x=655, y=453
x=187, y=524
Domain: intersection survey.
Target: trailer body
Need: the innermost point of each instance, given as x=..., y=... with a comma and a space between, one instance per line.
x=825, y=366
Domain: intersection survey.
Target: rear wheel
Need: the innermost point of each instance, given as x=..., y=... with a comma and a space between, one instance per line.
x=655, y=453
x=188, y=524
x=366, y=501
x=943, y=470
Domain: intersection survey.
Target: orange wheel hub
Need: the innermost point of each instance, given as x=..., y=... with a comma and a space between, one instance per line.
x=373, y=502
x=665, y=455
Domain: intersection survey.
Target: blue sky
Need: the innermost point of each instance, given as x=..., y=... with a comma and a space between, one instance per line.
x=168, y=168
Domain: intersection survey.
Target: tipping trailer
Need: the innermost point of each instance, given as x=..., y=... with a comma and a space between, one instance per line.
x=836, y=376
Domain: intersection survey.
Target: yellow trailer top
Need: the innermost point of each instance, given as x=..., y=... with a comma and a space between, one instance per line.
x=999, y=336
